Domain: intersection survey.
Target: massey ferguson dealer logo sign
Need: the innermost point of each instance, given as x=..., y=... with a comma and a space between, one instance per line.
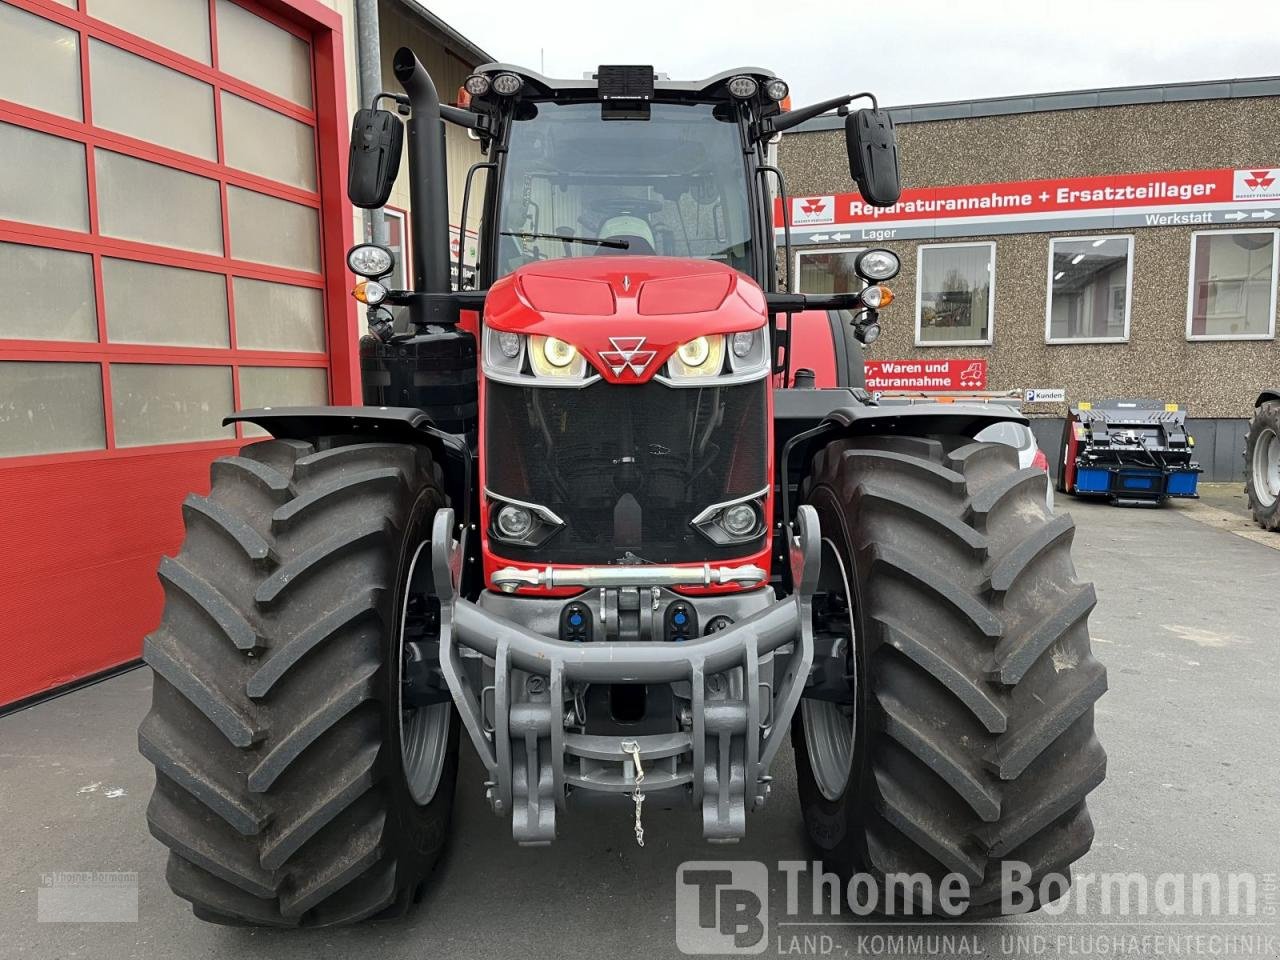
x=912, y=375
x=1257, y=185
x=813, y=210
x=1247, y=197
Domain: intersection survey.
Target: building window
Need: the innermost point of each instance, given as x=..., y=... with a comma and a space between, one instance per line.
x=828, y=271
x=954, y=303
x=1090, y=284
x=1232, y=289
x=397, y=243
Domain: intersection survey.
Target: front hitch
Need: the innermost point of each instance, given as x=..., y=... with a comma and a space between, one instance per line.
x=519, y=723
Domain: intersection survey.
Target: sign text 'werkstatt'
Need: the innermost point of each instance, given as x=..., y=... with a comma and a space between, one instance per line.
x=1248, y=197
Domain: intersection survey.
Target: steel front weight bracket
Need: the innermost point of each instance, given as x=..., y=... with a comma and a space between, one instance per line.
x=518, y=721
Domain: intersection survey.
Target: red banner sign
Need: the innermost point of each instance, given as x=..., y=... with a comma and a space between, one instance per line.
x=1124, y=199
x=917, y=375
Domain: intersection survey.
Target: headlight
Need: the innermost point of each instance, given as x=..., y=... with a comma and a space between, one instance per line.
x=737, y=521
x=877, y=297
x=513, y=523
x=700, y=357
x=370, y=292
x=551, y=357
x=370, y=260
x=477, y=85
x=743, y=341
x=876, y=265
x=776, y=89
x=507, y=84
x=743, y=87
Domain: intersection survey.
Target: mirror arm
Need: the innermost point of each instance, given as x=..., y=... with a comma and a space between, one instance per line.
x=793, y=118
x=777, y=303
x=468, y=119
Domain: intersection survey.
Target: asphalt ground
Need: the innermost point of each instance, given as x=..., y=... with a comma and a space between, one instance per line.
x=1188, y=624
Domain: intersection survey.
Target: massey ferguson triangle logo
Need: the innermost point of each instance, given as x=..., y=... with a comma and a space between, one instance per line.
x=813, y=210
x=627, y=355
x=1253, y=184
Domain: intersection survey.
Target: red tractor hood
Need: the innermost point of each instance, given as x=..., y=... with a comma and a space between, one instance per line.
x=627, y=315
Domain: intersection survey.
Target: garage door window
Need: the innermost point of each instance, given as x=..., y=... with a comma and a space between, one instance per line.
x=954, y=303
x=1232, y=289
x=828, y=271
x=1090, y=283
x=160, y=236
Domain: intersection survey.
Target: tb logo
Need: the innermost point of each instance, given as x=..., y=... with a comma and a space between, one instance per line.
x=722, y=907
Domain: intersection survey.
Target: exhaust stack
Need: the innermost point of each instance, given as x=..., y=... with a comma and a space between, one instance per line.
x=428, y=188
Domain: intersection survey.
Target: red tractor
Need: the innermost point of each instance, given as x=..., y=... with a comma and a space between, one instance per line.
x=592, y=521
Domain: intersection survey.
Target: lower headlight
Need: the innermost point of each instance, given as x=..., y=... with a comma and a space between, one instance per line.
x=513, y=523
x=739, y=520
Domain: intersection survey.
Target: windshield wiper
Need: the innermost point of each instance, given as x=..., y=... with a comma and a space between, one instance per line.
x=590, y=241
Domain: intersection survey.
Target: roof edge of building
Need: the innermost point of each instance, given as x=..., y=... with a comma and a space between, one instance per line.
x=1067, y=100
x=464, y=48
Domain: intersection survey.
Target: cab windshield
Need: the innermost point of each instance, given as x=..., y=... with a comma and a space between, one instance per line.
x=673, y=185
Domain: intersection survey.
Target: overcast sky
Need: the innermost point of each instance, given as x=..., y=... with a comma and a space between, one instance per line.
x=906, y=51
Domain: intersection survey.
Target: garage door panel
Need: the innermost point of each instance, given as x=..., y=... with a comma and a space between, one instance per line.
x=161, y=255
x=41, y=63
x=180, y=25
x=142, y=99
x=44, y=179
x=153, y=203
x=48, y=294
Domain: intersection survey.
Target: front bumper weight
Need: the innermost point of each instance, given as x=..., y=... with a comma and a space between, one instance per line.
x=533, y=760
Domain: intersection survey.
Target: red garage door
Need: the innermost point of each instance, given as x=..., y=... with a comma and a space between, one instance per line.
x=171, y=246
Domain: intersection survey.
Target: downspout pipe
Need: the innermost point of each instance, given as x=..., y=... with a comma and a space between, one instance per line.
x=369, y=57
x=428, y=177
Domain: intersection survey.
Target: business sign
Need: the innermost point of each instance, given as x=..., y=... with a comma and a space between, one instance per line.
x=1046, y=395
x=1249, y=197
x=916, y=375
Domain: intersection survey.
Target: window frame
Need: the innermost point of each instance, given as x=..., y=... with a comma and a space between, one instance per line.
x=991, y=300
x=1191, y=285
x=1128, y=290
x=406, y=252
x=820, y=250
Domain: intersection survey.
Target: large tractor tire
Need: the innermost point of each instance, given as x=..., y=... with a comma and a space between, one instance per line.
x=1262, y=465
x=291, y=789
x=966, y=737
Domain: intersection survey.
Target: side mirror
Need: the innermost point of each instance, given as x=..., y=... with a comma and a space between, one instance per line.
x=873, y=156
x=376, y=137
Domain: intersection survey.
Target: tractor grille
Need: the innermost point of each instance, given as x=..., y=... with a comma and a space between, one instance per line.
x=627, y=467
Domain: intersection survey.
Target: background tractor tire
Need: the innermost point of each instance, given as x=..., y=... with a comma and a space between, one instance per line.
x=975, y=684
x=275, y=719
x=1262, y=465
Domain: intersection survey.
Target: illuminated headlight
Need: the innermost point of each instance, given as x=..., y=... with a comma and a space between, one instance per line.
x=743, y=88
x=739, y=521
x=370, y=292
x=370, y=260
x=507, y=84
x=477, y=85
x=700, y=357
x=513, y=523
x=877, y=265
x=776, y=89
x=551, y=357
